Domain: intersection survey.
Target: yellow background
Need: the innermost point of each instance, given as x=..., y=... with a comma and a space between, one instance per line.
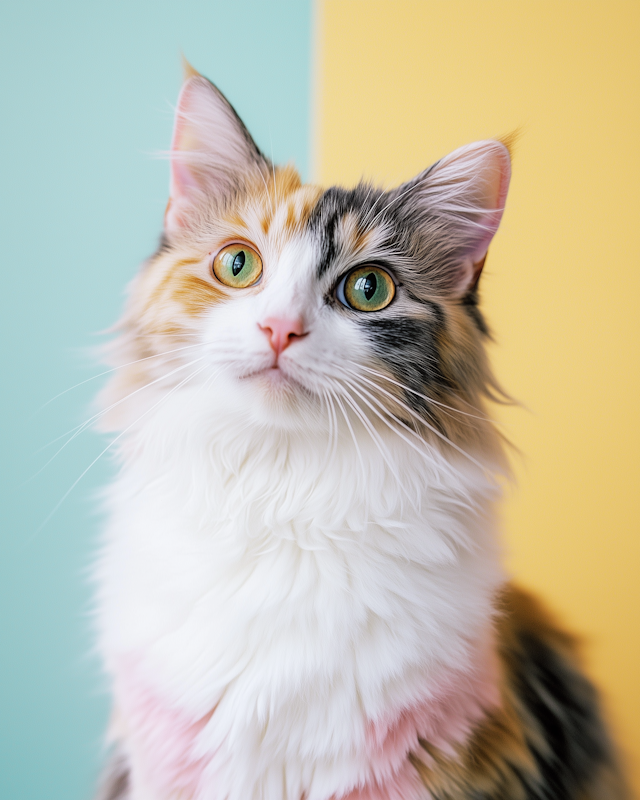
x=400, y=84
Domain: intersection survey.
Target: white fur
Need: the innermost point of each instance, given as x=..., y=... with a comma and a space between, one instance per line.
x=302, y=598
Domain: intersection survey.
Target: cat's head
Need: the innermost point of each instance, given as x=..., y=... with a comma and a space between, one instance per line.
x=304, y=302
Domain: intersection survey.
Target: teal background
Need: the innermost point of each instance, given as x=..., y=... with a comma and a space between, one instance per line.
x=86, y=99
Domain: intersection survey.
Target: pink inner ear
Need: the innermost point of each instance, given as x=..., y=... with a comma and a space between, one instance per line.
x=183, y=182
x=495, y=176
x=184, y=141
x=473, y=181
x=183, y=186
x=211, y=149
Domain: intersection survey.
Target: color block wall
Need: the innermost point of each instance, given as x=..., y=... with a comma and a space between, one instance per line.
x=401, y=83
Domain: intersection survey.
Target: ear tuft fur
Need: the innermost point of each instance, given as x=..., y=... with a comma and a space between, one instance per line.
x=510, y=140
x=187, y=70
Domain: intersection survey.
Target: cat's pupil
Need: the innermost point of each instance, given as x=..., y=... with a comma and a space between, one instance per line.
x=238, y=263
x=367, y=285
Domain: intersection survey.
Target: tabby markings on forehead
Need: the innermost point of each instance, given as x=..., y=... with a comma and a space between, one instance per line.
x=236, y=219
x=281, y=197
x=335, y=207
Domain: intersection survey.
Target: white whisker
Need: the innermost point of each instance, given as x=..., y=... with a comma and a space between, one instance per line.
x=384, y=418
x=328, y=457
x=114, y=369
x=353, y=436
x=375, y=438
x=406, y=388
x=110, y=445
x=433, y=429
x=84, y=425
x=267, y=192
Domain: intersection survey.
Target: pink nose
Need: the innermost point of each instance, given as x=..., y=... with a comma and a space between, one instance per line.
x=282, y=332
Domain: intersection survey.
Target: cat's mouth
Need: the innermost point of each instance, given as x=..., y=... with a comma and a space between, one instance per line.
x=274, y=376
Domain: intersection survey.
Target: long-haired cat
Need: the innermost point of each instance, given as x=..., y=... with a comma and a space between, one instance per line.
x=300, y=592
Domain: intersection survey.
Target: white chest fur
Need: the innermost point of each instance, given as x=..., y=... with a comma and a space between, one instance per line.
x=297, y=595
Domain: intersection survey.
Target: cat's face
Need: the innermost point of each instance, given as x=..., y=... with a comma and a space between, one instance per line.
x=308, y=303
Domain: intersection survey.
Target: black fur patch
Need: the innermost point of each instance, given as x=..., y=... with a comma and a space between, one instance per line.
x=330, y=209
x=471, y=306
x=565, y=708
x=409, y=350
x=548, y=741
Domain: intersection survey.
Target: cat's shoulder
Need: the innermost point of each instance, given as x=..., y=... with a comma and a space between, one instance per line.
x=547, y=740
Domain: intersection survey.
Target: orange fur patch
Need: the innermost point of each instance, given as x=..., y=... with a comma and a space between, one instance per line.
x=356, y=237
x=282, y=197
x=195, y=295
x=175, y=289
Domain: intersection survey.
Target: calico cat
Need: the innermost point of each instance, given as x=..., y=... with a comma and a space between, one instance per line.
x=300, y=593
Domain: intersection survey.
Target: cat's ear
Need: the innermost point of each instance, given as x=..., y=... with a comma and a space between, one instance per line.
x=466, y=191
x=212, y=153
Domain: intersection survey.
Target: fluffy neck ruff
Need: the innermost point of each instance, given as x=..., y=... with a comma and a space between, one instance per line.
x=307, y=606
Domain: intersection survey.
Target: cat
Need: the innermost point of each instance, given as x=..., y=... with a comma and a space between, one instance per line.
x=300, y=593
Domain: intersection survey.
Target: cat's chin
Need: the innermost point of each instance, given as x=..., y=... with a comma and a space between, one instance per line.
x=280, y=399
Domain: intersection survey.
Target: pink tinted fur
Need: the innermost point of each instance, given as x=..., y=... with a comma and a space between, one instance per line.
x=166, y=737
x=444, y=717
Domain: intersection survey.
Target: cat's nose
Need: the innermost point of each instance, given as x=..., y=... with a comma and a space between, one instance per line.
x=281, y=332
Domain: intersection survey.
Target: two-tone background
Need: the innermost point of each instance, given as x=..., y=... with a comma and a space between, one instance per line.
x=344, y=88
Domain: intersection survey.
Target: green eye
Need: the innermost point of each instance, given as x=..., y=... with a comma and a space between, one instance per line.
x=237, y=265
x=367, y=289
